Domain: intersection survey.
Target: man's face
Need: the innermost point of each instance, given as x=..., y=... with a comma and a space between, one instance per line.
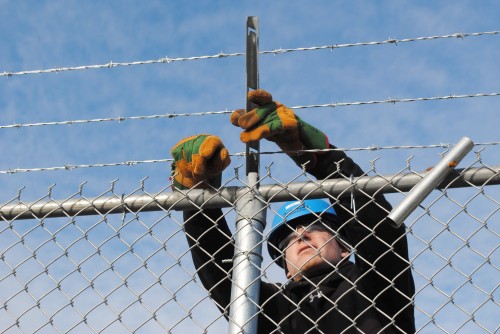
x=310, y=249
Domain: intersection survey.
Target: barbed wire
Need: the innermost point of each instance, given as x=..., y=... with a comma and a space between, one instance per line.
x=396, y=100
x=238, y=154
x=387, y=41
x=115, y=119
x=71, y=167
x=167, y=60
x=224, y=112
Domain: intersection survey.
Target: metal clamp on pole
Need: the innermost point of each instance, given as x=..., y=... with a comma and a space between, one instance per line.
x=430, y=181
x=250, y=223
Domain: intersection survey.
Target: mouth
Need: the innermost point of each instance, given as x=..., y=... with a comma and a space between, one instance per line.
x=305, y=248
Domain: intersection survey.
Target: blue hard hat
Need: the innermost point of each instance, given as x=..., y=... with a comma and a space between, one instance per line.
x=291, y=214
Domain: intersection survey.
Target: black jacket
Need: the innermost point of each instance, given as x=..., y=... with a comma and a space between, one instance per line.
x=372, y=295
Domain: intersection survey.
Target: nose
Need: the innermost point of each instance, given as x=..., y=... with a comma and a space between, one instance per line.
x=302, y=233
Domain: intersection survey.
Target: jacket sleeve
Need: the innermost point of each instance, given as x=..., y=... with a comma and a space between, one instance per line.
x=210, y=242
x=381, y=250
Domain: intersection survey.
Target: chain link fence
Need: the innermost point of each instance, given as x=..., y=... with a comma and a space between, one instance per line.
x=123, y=263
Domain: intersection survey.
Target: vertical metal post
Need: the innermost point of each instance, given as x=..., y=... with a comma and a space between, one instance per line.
x=252, y=53
x=250, y=222
x=245, y=290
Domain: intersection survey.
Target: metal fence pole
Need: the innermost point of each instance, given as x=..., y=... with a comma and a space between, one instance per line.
x=252, y=52
x=430, y=181
x=244, y=306
x=247, y=259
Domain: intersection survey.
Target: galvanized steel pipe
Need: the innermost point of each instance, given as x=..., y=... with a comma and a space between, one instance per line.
x=430, y=181
x=227, y=197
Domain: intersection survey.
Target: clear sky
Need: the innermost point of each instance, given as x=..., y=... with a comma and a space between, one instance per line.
x=43, y=35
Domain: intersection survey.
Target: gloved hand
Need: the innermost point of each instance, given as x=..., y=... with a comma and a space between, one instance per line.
x=198, y=162
x=275, y=122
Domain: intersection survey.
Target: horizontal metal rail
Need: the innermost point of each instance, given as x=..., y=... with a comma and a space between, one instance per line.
x=227, y=197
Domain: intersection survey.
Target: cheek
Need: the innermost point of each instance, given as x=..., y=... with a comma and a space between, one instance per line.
x=290, y=254
x=332, y=252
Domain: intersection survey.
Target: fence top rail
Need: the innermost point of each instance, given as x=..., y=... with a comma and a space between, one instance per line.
x=227, y=196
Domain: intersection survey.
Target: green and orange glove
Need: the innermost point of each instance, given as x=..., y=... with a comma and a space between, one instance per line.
x=198, y=162
x=273, y=121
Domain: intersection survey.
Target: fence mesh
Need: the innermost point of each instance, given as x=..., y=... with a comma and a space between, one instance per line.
x=90, y=270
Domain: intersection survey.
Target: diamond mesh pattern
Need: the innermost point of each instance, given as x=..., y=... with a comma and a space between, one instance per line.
x=104, y=272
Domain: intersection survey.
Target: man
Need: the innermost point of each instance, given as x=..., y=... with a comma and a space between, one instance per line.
x=310, y=239
x=303, y=236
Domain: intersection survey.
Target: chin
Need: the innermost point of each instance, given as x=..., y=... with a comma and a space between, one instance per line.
x=312, y=263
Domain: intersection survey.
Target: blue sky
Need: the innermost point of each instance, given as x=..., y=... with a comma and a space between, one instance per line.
x=40, y=35
x=45, y=35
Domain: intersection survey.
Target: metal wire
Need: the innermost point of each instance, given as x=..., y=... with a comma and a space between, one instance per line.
x=71, y=167
x=238, y=154
x=396, y=100
x=387, y=41
x=119, y=263
x=164, y=60
x=167, y=60
x=115, y=119
x=225, y=112
x=90, y=270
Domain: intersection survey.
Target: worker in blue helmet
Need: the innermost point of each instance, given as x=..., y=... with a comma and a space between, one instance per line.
x=347, y=269
x=306, y=225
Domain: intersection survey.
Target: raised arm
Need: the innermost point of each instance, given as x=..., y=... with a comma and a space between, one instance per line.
x=381, y=250
x=198, y=163
x=209, y=240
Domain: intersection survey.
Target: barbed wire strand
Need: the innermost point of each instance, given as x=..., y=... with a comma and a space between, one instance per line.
x=224, y=112
x=396, y=100
x=71, y=167
x=115, y=119
x=238, y=154
x=168, y=60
